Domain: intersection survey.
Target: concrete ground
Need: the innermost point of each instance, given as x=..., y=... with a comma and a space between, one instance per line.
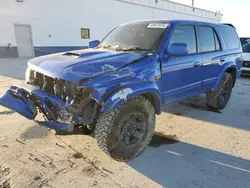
x=193, y=147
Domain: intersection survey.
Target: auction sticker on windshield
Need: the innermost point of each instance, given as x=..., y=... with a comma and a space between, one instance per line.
x=158, y=25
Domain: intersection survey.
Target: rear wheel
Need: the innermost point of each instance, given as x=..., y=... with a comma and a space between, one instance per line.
x=125, y=132
x=218, y=99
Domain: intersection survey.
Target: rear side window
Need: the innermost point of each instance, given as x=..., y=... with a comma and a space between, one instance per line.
x=185, y=34
x=230, y=37
x=209, y=41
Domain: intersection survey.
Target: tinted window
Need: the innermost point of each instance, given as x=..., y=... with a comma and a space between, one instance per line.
x=230, y=37
x=246, y=48
x=206, y=38
x=244, y=41
x=185, y=34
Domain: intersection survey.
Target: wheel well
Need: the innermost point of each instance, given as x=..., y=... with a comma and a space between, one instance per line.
x=232, y=71
x=154, y=101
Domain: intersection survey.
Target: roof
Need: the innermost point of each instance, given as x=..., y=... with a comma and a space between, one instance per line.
x=176, y=22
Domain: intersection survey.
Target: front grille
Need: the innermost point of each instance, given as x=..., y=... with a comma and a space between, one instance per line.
x=53, y=86
x=246, y=64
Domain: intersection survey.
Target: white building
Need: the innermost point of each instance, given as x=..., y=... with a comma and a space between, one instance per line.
x=37, y=27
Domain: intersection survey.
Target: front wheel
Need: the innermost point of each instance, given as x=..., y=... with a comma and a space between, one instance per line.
x=125, y=132
x=218, y=99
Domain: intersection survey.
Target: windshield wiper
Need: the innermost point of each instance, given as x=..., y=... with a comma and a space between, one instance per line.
x=134, y=49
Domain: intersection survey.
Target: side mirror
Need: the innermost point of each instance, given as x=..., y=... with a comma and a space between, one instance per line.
x=177, y=49
x=94, y=43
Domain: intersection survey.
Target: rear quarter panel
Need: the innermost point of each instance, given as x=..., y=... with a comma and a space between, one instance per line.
x=229, y=58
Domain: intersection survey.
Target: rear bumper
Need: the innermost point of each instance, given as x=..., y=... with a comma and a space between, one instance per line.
x=245, y=71
x=27, y=101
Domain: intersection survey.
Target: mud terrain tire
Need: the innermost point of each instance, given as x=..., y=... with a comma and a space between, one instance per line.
x=218, y=99
x=125, y=132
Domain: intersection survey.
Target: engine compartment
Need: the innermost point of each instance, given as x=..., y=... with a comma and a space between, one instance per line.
x=54, y=86
x=80, y=107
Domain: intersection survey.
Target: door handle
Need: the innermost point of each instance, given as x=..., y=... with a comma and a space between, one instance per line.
x=222, y=60
x=197, y=64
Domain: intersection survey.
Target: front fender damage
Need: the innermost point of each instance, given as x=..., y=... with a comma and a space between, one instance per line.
x=129, y=92
x=139, y=77
x=66, y=105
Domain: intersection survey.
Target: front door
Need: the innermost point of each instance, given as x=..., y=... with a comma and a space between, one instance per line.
x=181, y=76
x=24, y=40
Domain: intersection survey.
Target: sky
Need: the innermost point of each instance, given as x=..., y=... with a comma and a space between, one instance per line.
x=235, y=12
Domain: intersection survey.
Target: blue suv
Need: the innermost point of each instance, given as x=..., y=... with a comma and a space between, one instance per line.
x=115, y=88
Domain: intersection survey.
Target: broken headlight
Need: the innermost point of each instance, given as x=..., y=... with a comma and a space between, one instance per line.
x=29, y=76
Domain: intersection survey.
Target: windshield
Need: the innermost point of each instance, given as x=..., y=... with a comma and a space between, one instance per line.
x=135, y=37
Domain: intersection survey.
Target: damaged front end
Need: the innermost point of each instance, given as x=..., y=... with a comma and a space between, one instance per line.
x=61, y=103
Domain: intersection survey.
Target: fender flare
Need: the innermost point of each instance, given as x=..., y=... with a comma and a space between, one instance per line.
x=120, y=96
x=224, y=69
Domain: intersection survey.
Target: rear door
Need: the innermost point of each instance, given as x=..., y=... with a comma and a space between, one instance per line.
x=181, y=76
x=210, y=50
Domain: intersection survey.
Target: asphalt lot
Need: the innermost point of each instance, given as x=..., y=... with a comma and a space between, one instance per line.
x=193, y=147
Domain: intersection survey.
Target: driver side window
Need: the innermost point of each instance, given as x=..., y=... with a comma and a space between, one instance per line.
x=185, y=34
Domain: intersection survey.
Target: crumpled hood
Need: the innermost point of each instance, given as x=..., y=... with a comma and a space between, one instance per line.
x=76, y=65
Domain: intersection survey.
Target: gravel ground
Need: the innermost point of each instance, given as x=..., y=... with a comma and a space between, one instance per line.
x=192, y=147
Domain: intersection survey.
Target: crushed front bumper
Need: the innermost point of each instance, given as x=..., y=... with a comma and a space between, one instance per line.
x=28, y=101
